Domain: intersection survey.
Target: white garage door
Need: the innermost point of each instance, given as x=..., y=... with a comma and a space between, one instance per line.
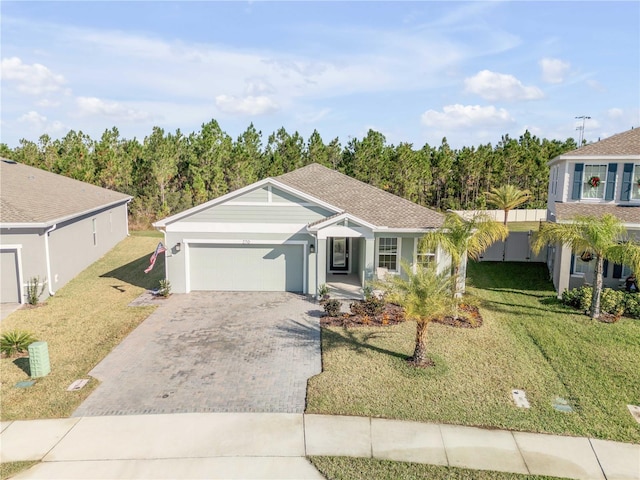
x=276, y=268
x=9, y=289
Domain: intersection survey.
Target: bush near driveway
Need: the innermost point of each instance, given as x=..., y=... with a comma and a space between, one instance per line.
x=82, y=323
x=528, y=340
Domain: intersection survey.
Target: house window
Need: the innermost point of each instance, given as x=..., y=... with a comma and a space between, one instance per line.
x=635, y=190
x=626, y=271
x=94, y=228
x=594, y=181
x=424, y=257
x=582, y=267
x=388, y=253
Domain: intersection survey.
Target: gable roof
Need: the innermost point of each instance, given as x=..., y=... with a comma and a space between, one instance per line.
x=621, y=144
x=32, y=197
x=364, y=201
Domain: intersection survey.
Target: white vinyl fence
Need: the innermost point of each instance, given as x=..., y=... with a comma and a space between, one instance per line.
x=517, y=248
x=518, y=215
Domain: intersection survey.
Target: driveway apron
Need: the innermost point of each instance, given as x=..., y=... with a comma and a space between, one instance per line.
x=213, y=352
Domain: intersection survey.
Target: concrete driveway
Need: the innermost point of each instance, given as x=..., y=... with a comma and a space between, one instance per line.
x=213, y=352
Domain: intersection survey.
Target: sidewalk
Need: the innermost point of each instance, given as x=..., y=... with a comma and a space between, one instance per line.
x=273, y=445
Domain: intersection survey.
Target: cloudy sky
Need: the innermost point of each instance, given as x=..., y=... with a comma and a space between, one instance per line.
x=415, y=71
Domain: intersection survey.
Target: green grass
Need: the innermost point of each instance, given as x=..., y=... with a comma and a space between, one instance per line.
x=528, y=341
x=348, y=468
x=523, y=226
x=9, y=469
x=81, y=324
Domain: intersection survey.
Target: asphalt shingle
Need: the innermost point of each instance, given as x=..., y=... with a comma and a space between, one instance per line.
x=31, y=195
x=625, y=143
x=360, y=199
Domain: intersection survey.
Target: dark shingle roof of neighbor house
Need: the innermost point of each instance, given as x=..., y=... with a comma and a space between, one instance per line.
x=360, y=199
x=626, y=213
x=625, y=143
x=29, y=195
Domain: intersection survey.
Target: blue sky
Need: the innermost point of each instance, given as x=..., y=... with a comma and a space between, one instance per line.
x=415, y=71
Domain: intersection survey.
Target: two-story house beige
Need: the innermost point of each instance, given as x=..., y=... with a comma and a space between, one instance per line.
x=599, y=178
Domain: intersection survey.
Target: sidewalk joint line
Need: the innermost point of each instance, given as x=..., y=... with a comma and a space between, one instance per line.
x=524, y=460
x=595, y=454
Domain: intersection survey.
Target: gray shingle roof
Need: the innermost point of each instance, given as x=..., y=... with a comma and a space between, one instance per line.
x=359, y=199
x=30, y=195
x=625, y=143
x=626, y=213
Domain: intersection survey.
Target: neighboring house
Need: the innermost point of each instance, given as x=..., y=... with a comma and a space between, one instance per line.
x=294, y=233
x=599, y=178
x=52, y=227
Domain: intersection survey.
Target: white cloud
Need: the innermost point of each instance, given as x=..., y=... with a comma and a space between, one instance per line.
x=499, y=86
x=34, y=119
x=39, y=124
x=311, y=117
x=248, y=105
x=465, y=116
x=615, y=113
x=554, y=70
x=90, y=106
x=47, y=103
x=35, y=79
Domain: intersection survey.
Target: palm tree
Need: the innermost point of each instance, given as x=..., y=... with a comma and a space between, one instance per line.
x=424, y=296
x=600, y=237
x=507, y=198
x=459, y=238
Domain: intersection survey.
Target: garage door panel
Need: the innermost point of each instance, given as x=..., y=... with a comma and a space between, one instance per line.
x=246, y=267
x=9, y=290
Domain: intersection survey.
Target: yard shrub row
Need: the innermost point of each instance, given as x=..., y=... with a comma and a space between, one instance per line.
x=615, y=302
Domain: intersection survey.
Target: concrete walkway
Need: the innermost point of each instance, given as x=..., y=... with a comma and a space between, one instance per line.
x=274, y=445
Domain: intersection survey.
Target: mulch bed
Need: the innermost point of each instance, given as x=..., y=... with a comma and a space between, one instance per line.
x=469, y=318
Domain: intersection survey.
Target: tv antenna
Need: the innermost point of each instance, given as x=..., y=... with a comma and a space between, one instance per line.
x=581, y=127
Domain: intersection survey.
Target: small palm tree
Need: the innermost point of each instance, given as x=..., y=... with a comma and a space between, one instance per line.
x=459, y=238
x=424, y=296
x=600, y=237
x=507, y=198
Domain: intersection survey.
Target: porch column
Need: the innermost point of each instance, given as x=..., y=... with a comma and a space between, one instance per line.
x=321, y=259
x=563, y=268
x=369, y=267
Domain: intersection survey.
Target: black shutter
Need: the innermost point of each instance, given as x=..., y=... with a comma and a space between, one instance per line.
x=577, y=181
x=611, y=181
x=573, y=257
x=605, y=268
x=627, y=176
x=617, y=271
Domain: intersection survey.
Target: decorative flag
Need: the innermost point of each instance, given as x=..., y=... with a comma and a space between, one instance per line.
x=152, y=261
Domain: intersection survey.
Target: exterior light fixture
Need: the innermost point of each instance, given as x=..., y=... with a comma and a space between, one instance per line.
x=178, y=247
x=312, y=248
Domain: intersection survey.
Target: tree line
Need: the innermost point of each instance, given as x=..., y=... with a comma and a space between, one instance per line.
x=169, y=172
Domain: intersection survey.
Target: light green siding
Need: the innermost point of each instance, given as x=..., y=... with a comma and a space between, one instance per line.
x=267, y=213
x=257, y=195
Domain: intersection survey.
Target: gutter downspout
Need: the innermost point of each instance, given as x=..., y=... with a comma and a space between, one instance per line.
x=48, y=257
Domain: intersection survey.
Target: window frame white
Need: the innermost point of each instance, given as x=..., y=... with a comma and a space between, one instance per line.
x=397, y=254
x=635, y=189
x=586, y=187
x=578, y=267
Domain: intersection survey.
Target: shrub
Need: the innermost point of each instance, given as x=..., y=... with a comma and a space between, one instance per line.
x=612, y=301
x=332, y=307
x=34, y=290
x=372, y=306
x=323, y=290
x=579, y=298
x=165, y=288
x=15, y=341
x=631, y=304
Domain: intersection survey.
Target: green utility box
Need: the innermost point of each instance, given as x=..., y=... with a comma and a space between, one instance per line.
x=39, y=363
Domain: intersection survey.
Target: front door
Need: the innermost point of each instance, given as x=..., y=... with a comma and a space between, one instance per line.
x=339, y=258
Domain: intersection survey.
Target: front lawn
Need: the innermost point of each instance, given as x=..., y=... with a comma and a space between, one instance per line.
x=349, y=468
x=81, y=324
x=528, y=341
